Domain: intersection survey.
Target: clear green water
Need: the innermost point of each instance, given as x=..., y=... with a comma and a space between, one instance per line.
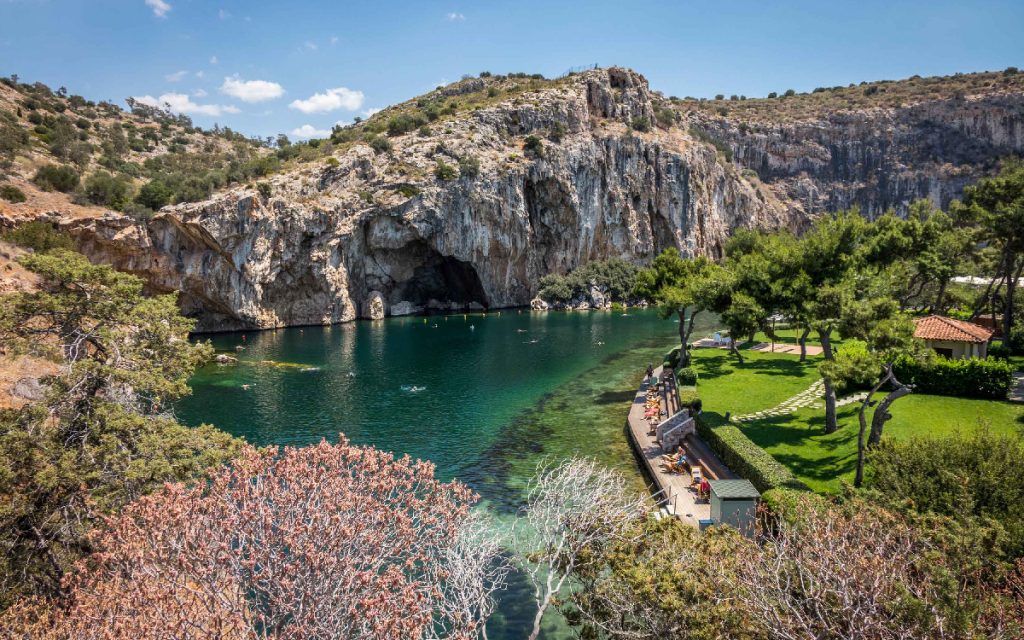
x=497, y=393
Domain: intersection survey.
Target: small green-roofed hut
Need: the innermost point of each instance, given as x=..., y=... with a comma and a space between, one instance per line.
x=734, y=502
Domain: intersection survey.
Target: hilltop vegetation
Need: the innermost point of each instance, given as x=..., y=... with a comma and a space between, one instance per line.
x=103, y=156
x=787, y=105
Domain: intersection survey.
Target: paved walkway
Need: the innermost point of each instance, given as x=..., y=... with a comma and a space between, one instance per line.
x=680, y=494
x=764, y=347
x=807, y=398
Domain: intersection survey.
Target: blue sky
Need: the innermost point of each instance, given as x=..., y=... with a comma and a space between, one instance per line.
x=267, y=67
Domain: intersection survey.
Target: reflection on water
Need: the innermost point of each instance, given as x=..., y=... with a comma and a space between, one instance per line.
x=485, y=404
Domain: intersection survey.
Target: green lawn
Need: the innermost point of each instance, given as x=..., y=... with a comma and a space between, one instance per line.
x=762, y=381
x=797, y=440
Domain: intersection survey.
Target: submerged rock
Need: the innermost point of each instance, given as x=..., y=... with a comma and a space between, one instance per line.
x=375, y=306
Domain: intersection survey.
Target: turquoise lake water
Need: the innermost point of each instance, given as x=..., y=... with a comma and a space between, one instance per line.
x=483, y=396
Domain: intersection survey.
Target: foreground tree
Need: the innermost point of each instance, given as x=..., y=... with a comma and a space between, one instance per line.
x=98, y=439
x=326, y=541
x=572, y=511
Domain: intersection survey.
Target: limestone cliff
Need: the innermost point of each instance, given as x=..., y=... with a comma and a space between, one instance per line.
x=367, y=232
x=328, y=238
x=876, y=158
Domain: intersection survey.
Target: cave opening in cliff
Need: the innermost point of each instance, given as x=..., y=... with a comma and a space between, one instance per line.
x=441, y=283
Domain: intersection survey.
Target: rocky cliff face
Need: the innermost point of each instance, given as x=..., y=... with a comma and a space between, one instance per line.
x=881, y=158
x=332, y=243
x=374, y=233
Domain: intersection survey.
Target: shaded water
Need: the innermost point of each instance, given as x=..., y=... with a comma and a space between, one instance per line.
x=484, y=397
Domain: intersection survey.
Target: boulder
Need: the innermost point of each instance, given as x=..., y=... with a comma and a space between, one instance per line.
x=223, y=358
x=538, y=304
x=405, y=308
x=28, y=389
x=375, y=309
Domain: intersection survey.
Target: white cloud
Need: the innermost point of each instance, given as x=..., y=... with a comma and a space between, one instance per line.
x=181, y=103
x=251, y=90
x=213, y=59
x=159, y=7
x=200, y=74
x=177, y=76
x=368, y=113
x=334, y=40
x=332, y=99
x=199, y=93
x=309, y=44
x=452, y=17
x=223, y=15
x=309, y=131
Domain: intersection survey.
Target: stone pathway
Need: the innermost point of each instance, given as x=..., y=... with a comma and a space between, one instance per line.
x=807, y=398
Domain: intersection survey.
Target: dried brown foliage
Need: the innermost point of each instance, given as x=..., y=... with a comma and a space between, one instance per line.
x=327, y=541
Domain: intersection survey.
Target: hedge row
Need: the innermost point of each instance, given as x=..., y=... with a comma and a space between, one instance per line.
x=967, y=378
x=746, y=459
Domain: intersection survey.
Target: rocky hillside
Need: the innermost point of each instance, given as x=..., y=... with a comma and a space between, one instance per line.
x=465, y=197
x=877, y=146
x=467, y=215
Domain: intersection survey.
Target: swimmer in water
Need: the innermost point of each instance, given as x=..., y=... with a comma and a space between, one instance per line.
x=245, y=387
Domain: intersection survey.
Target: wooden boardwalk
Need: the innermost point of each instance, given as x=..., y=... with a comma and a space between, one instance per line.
x=677, y=494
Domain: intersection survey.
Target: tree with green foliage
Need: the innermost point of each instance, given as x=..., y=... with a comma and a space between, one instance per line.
x=679, y=287
x=54, y=177
x=39, y=236
x=108, y=190
x=103, y=435
x=156, y=195
x=996, y=205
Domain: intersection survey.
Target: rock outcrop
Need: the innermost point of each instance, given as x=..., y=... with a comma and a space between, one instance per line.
x=329, y=237
x=380, y=232
x=877, y=159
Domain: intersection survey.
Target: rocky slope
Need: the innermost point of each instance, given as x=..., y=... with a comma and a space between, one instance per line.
x=366, y=232
x=379, y=232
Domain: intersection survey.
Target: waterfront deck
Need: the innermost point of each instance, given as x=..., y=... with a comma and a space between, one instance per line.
x=677, y=494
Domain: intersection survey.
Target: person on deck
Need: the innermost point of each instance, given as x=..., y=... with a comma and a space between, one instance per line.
x=650, y=373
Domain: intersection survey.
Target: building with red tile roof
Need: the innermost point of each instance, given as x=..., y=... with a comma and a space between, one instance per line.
x=953, y=338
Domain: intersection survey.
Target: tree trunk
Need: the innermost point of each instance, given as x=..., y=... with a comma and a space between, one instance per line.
x=1011, y=287
x=940, y=296
x=882, y=414
x=803, y=344
x=862, y=417
x=831, y=423
x=684, y=338
x=735, y=350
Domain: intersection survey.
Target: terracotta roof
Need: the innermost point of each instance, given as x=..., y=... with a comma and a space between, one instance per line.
x=951, y=329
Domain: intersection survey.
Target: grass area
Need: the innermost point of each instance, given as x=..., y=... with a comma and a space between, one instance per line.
x=798, y=440
x=762, y=381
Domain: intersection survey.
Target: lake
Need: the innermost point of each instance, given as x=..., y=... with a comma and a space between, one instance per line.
x=483, y=396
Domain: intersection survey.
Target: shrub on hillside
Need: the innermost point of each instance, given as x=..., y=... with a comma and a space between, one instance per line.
x=746, y=459
x=469, y=167
x=154, y=195
x=640, y=124
x=967, y=378
x=264, y=189
x=11, y=193
x=39, y=236
x=107, y=190
x=380, y=145
x=534, y=145
x=53, y=177
x=444, y=171
x=404, y=123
